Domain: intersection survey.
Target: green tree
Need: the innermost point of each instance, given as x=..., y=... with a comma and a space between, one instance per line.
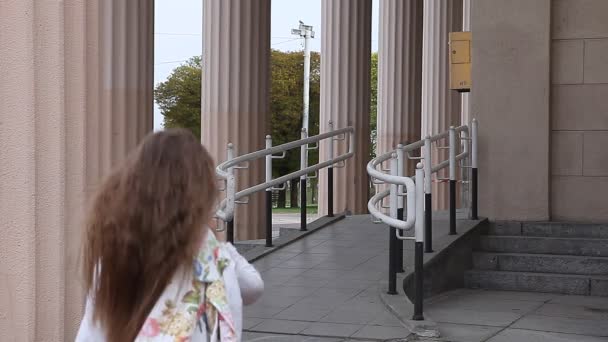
x=179, y=100
x=374, y=103
x=179, y=97
x=286, y=107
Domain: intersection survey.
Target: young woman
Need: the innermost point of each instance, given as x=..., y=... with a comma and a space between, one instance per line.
x=152, y=272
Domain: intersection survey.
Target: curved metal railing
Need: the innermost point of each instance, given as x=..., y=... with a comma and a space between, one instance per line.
x=226, y=170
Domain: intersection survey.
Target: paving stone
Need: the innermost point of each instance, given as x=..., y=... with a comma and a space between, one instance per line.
x=563, y=325
x=332, y=329
x=527, y=281
x=475, y=317
x=466, y=332
x=302, y=312
x=281, y=326
x=277, y=301
x=590, y=301
x=382, y=333
x=259, y=311
x=265, y=337
x=250, y=322
x=573, y=311
x=482, y=304
x=519, y=335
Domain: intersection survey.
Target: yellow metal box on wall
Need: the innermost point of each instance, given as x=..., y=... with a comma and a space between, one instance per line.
x=460, y=61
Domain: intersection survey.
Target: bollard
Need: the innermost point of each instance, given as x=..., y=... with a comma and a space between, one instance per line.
x=418, y=253
x=428, y=206
x=452, y=160
x=474, y=174
x=393, y=246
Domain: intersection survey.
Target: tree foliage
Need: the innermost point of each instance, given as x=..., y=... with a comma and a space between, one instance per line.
x=286, y=103
x=374, y=103
x=179, y=97
x=179, y=100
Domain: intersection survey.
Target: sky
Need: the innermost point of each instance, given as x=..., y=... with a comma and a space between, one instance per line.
x=178, y=32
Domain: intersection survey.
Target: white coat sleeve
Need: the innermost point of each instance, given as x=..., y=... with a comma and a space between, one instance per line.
x=250, y=281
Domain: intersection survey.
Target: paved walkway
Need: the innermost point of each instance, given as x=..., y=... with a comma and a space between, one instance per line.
x=502, y=316
x=326, y=285
x=326, y=288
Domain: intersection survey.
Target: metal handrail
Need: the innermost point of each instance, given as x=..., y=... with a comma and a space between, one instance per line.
x=397, y=178
x=225, y=171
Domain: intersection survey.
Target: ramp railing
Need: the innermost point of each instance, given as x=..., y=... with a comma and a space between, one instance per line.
x=410, y=196
x=226, y=173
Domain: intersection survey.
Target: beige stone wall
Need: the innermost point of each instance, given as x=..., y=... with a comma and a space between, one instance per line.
x=510, y=97
x=579, y=110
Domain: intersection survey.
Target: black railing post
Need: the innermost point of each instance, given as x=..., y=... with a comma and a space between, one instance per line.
x=474, y=198
x=452, y=207
x=392, y=261
x=418, y=253
x=268, y=218
x=230, y=230
x=303, y=204
x=419, y=282
x=428, y=223
x=452, y=160
x=330, y=191
x=474, y=172
x=399, y=254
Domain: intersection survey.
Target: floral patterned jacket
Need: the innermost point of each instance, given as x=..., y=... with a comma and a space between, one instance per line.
x=205, y=306
x=199, y=312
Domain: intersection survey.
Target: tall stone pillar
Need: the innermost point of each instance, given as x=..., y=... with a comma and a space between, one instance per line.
x=440, y=105
x=465, y=112
x=399, y=74
x=345, y=96
x=53, y=147
x=235, y=94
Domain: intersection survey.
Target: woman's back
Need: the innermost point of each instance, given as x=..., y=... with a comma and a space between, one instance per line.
x=144, y=227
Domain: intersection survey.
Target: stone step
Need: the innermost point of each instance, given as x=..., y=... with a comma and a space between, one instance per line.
x=550, y=229
x=543, y=263
x=543, y=245
x=537, y=282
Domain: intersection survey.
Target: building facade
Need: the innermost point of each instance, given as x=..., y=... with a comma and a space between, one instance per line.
x=76, y=97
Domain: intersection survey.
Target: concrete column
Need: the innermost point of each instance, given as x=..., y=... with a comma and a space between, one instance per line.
x=399, y=74
x=440, y=105
x=465, y=111
x=345, y=96
x=235, y=94
x=51, y=156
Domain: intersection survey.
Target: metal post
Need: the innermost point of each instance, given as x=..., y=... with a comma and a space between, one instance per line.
x=303, y=165
x=230, y=231
x=268, y=194
x=428, y=206
x=230, y=224
x=400, y=172
x=307, y=33
x=330, y=175
x=452, y=160
x=392, y=261
x=474, y=174
x=418, y=256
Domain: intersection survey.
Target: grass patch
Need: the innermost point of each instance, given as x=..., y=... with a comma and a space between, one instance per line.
x=311, y=209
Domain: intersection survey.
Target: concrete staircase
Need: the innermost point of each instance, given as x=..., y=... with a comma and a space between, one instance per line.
x=542, y=257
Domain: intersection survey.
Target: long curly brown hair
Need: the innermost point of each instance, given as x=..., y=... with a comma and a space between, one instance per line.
x=145, y=225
